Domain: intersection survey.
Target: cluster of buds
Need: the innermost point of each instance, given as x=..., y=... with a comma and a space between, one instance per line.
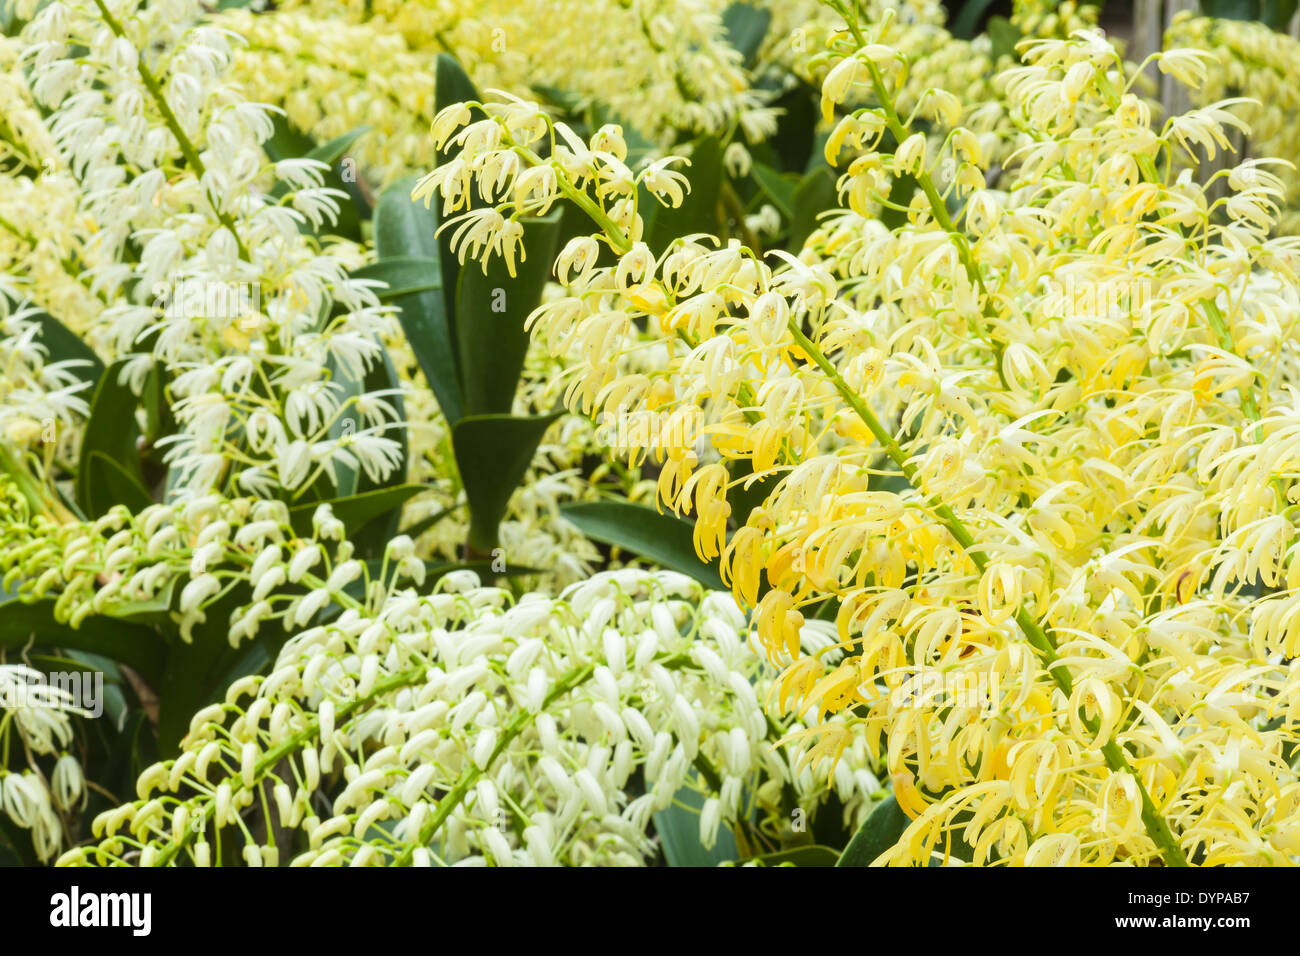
x=991, y=475
x=459, y=727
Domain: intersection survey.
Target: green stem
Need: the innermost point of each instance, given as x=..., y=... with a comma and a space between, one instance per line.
x=173, y=124
x=1114, y=755
x=517, y=725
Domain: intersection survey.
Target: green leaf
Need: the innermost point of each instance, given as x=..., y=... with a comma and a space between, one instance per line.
x=451, y=84
x=1005, y=35
x=678, y=827
x=796, y=128
x=493, y=453
x=355, y=510
x=776, y=187
x=404, y=275
x=198, y=673
x=491, y=308
x=1232, y=9
x=814, y=194
x=108, y=484
x=744, y=496
x=350, y=480
x=746, y=26
x=406, y=230
x=424, y=524
x=134, y=645
x=814, y=855
x=1278, y=13
x=331, y=152
x=699, y=210
x=663, y=539
x=16, y=847
x=286, y=141
x=112, y=431
x=880, y=831
x=64, y=345
x=350, y=213
x=8, y=18
x=383, y=377
x=966, y=24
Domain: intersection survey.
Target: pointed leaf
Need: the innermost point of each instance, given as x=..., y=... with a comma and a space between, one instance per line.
x=451, y=84
x=350, y=212
x=814, y=194
x=404, y=229
x=699, y=210
x=880, y=831
x=814, y=855
x=746, y=27
x=493, y=453
x=403, y=275
x=663, y=539
x=355, y=510
x=491, y=308
x=64, y=345
x=132, y=644
x=111, y=430
x=776, y=187
x=678, y=827
x=108, y=484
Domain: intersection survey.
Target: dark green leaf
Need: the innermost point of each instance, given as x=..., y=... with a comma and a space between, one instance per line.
x=1232, y=9
x=745, y=496
x=966, y=24
x=1278, y=13
x=16, y=847
x=383, y=377
x=424, y=524
x=878, y=833
x=350, y=213
x=746, y=26
x=108, y=484
x=678, y=827
x=814, y=194
x=355, y=510
x=111, y=431
x=796, y=128
x=403, y=275
x=132, y=644
x=491, y=308
x=451, y=84
x=64, y=345
x=776, y=187
x=405, y=230
x=493, y=453
x=198, y=673
x=699, y=210
x=799, y=856
x=286, y=141
x=663, y=539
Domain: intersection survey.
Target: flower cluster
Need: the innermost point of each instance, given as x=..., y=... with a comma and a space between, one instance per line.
x=188, y=262
x=661, y=65
x=36, y=714
x=1036, y=437
x=459, y=727
x=1263, y=66
x=332, y=77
